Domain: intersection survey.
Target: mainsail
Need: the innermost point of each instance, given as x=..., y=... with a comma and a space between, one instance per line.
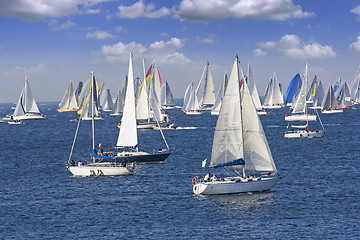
x=128, y=131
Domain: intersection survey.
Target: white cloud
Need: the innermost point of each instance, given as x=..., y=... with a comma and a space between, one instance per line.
x=211, y=10
x=93, y=11
x=354, y=47
x=55, y=26
x=99, y=34
x=292, y=48
x=259, y=52
x=356, y=11
x=34, y=69
x=139, y=9
x=164, y=52
x=37, y=10
x=206, y=40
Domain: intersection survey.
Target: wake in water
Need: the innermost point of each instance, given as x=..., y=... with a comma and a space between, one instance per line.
x=186, y=128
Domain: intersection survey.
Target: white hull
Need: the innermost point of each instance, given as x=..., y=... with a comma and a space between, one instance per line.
x=241, y=185
x=94, y=170
x=332, y=111
x=90, y=118
x=27, y=116
x=304, y=134
x=168, y=107
x=260, y=112
x=16, y=122
x=318, y=107
x=272, y=106
x=215, y=113
x=192, y=112
x=302, y=117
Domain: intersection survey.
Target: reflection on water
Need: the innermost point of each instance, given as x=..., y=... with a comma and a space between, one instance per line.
x=241, y=201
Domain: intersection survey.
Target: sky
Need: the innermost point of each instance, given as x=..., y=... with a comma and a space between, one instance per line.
x=55, y=41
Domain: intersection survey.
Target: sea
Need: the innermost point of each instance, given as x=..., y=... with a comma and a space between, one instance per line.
x=318, y=196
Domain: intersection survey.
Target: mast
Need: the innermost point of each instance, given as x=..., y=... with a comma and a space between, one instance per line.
x=241, y=111
x=92, y=114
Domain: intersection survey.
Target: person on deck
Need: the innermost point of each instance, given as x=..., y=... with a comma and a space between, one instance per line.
x=214, y=178
x=207, y=177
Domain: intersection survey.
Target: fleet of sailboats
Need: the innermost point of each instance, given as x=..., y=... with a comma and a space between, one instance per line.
x=273, y=97
x=69, y=102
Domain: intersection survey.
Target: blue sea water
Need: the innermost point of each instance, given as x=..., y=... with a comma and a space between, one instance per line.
x=317, y=197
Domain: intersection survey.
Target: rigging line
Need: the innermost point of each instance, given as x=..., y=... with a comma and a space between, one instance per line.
x=320, y=120
x=73, y=145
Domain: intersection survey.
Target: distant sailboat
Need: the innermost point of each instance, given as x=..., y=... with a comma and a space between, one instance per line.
x=329, y=104
x=99, y=165
x=168, y=98
x=312, y=90
x=105, y=99
x=26, y=107
x=219, y=96
x=319, y=96
x=69, y=102
x=293, y=90
x=207, y=99
x=254, y=92
x=273, y=97
x=117, y=107
x=239, y=143
x=344, y=99
x=299, y=107
x=191, y=103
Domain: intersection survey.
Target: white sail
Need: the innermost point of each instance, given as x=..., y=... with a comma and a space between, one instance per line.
x=186, y=98
x=257, y=154
x=69, y=101
x=142, y=107
x=90, y=103
x=253, y=89
x=299, y=106
x=209, y=92
x=128, y=131
x=107, y=104
x=117, y=105
x=220, y=95
x=228, y=136
x=329, y=102
x=312, y=90
x=277, y=94
x=344, y=98
x=319, y=95
x=26, y=102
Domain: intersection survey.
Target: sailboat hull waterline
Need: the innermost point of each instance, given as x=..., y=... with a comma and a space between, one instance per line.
x=300, y=117
x=236, y=185
x=100, y=169
x=304, y=134
x=29, y=116
x=331, y=111
x=142, y=157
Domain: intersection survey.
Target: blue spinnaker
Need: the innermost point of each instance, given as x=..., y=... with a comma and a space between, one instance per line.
x=293, y=89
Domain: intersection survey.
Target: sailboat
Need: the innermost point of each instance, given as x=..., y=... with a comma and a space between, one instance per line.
x=273, y=97
x=69, y=102
x=118, y=105
x=168, y=98
x=219, y=97
x=293, y=90
x=299, y=107
x=254, y=92
x=329, y=104
x=312, y=90
x=344, y=99
x=207, y=99
x=191, y=102
x=105, y=99
x=239, y=143
x=318, y=98
x=100, y=165
x=300, y=114
x=127, y=143
x=26, y=107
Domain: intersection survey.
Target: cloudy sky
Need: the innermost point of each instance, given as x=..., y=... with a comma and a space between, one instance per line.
x=55, y=41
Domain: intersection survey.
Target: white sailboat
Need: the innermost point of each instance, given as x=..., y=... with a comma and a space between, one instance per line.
x=219, y=96
x=344, y=99
x=69, y=102
x=318, y=98
x=207, y=98
x=99, y=165
x=168, y=98
x=105, y=99
x=127, y=143
x=90, y=107
x=299, y=107
x=26, y=107
x=330, y=104
x=300, y=114
x=254, y=92
x=273, y=97
x=239, y=143
x=191, y=104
